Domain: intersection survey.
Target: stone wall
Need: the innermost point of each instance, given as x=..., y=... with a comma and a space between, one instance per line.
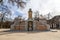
x=19, y=27
x=37, y=25
x=42, y=26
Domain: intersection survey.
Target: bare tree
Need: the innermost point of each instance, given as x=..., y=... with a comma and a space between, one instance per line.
x=36, y=17
x=5, y=12
x=49, y=15
x=20, y=3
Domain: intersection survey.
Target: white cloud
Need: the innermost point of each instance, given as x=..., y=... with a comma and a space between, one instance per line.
x=44, y=6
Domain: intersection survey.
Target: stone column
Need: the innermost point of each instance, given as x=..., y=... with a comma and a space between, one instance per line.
x=59, y=25
x=53, y=26
x=34, y=26
x=26, y=25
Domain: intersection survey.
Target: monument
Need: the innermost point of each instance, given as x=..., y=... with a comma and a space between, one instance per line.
x=30, y=20
x=30, y=24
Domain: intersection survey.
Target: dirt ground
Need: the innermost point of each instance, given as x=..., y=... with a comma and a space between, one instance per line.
x=46, y=35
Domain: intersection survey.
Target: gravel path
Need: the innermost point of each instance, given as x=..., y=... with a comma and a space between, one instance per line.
x=50, y=35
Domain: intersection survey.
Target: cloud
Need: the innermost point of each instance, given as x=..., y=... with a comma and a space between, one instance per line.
x=43, y=6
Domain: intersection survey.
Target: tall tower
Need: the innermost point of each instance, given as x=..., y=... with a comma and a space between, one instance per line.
x=30, y=14
x=30, y=20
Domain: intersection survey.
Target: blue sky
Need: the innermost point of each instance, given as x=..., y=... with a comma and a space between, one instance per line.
x=14, y=9
x=43, y=6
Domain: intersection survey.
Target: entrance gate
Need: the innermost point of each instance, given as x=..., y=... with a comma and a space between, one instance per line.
x=30, y=25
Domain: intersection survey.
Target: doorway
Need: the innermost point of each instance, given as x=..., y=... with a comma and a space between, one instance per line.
x=57, y=26
x=30, y=25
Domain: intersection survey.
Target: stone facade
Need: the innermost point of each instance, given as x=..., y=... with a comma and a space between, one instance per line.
x=54, y=22
x=30, y=24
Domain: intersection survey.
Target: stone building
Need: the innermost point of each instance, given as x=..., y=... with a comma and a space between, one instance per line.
x=30, y=24
x=54, y=22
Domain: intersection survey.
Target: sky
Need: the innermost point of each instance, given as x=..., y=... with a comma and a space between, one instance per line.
x=43, y=6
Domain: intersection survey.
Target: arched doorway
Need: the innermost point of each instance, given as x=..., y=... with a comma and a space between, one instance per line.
x=30, y=26
x=57, y=25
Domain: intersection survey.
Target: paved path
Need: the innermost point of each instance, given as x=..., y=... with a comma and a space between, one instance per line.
x=50, y=35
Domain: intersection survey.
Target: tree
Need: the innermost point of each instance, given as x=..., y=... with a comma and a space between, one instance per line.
x=36, y=17
x=49, y=15
x=4, y=8
x=20, y=3
x=5, y=11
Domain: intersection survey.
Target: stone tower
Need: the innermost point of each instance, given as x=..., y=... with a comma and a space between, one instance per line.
x=30, y=14
x=30, y=20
